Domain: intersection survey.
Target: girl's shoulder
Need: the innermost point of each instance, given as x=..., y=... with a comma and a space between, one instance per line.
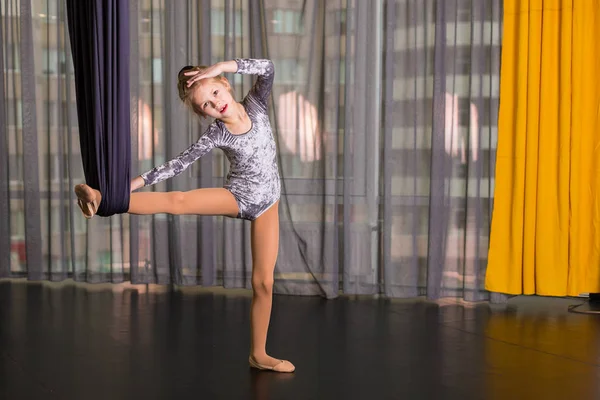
x=252, y=104
x=214, y=131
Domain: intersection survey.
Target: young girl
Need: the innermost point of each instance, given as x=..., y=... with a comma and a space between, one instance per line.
x=252, y=190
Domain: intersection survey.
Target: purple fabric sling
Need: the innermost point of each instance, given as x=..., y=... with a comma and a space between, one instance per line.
x=99, y=33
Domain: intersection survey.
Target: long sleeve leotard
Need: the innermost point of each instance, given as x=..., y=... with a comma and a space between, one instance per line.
x=253, y=176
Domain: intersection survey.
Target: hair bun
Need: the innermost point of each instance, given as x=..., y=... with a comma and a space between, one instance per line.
x=185, y=69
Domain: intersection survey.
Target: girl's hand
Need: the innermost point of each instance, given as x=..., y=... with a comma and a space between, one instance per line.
x=136, y=183
x=211, y=72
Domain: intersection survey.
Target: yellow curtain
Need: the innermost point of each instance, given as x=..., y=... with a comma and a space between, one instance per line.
x=545, y=234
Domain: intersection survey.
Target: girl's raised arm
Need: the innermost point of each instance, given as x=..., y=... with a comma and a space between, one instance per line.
x=266, y=75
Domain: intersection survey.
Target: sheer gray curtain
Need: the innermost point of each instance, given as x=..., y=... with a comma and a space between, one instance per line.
x=385, y=114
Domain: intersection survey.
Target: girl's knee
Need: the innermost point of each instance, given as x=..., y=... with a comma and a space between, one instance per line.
x=177, y=202
x=263, y=285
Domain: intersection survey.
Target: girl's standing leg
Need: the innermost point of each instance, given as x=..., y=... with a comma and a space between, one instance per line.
x=265, y=246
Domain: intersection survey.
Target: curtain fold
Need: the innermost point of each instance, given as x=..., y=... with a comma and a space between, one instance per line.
x=545, y=237
x=4, y=187
x=385, y=116
x=30, y=147
x=584, y=235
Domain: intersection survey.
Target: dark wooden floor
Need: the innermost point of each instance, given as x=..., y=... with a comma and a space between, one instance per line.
x=88, y=342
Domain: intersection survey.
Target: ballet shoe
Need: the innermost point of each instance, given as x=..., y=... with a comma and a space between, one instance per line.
x=281, y=366
x=88, y=209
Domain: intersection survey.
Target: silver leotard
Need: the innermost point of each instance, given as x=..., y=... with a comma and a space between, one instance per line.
x=253, y=176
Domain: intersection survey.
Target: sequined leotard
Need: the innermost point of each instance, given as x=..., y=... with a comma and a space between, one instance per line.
x=253, y=176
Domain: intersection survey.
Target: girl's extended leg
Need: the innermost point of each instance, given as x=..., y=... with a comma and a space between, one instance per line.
x=213, y=201
x=265, y=246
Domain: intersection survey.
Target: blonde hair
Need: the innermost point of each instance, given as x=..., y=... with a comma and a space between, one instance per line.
x=185, y=92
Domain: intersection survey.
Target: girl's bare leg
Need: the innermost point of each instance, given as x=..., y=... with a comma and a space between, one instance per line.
x=265, y=247
x=214, y=201
x=264, y=241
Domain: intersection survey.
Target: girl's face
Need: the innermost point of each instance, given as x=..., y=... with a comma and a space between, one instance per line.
x=213, y=98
